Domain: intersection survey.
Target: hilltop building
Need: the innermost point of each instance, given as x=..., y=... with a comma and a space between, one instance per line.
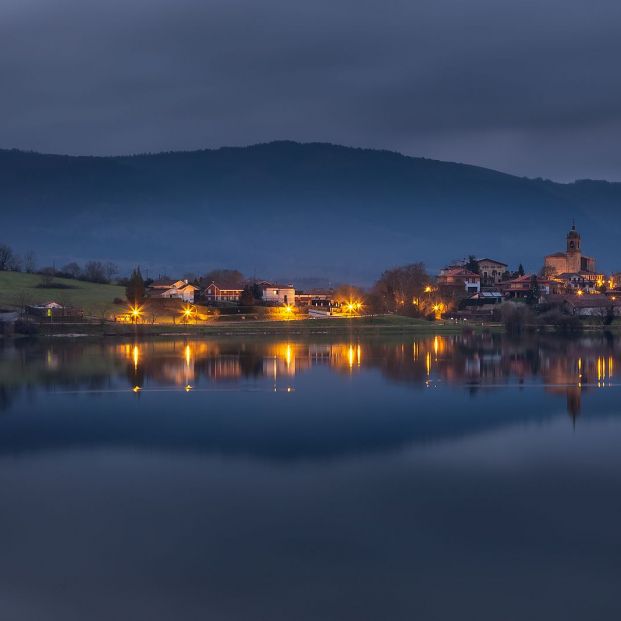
x=572, y=261
x=491, y=271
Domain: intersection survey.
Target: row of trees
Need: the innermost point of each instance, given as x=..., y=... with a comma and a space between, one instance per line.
x=10, y=261
x=92, y=271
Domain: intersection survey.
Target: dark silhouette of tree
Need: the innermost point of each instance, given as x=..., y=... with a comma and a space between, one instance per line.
x=47, y=276
x=399, y=288
x=71, y=270
x=247, y=297
x=6, y=256
x=472, y=264
x=30, y=262
x=534, y=293
x=112, y=270
x=135, y=289
x=225, y=278
x=520, y=270
x=95, y=271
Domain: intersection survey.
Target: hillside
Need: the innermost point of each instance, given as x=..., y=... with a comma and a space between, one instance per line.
x=18, y=289
x=288, y=209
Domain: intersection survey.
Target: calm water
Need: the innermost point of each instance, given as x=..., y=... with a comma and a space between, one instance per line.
x=436, y=478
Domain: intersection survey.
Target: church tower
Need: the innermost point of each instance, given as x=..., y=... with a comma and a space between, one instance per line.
x=573, y=240
x=574, y=254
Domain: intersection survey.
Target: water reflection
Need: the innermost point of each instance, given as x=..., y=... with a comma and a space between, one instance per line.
x=402, y=478
x=563, y=367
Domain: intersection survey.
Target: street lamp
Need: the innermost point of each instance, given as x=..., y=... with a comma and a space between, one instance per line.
x=135, y=312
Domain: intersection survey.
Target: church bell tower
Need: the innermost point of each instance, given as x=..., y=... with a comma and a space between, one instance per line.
x=574, y=255
x=573, y=240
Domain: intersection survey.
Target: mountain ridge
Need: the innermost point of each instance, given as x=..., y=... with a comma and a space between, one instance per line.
x=315, y=209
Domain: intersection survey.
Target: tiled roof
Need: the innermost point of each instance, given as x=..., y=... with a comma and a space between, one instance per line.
x=460, y=271
x=491, y=261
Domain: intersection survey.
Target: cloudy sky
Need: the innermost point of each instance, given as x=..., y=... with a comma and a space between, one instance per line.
x=530, y=87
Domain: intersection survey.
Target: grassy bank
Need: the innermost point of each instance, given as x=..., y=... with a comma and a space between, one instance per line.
x=381, y=325
x=18, y=290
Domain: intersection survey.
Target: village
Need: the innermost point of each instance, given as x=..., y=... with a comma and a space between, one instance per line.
x=471, y=289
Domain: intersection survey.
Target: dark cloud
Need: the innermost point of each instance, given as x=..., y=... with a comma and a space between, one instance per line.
x=527, y=87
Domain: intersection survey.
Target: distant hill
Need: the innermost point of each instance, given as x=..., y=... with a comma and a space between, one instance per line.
x=284, y=208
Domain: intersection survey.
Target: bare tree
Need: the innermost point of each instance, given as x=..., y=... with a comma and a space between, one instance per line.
x=23, y=299
x=402, y=289
x=15, y=264
x=6, y=256
x=95, y=271
x=47, y=276
x=226, y=278
x=112, y=270
x=30, y=263
x=71, y=270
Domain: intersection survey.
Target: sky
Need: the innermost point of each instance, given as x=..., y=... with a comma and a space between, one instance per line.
x=528, y=87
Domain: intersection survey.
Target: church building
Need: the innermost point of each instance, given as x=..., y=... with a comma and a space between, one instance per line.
x=572, y=261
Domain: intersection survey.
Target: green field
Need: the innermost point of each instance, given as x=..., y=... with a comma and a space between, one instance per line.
x=18, y=290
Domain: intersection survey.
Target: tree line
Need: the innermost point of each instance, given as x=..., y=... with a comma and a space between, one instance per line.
x=91, y=271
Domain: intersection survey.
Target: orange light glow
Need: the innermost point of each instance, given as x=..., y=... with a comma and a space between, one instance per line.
x=187, y=312
x=135, y=312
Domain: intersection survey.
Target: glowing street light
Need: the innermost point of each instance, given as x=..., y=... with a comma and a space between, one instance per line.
x=353, y=306
x=135, y=312
x=187, y=313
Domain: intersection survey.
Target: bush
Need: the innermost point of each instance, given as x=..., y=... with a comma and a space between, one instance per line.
x=561, y=322
x=28, y=328
x=517, y=318
x=54, y=285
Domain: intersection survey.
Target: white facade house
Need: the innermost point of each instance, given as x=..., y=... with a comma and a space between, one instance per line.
x=173, y=289
x=491, y=271
x=277, y=294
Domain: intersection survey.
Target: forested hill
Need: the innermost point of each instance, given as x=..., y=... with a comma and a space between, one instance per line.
x=292, y=209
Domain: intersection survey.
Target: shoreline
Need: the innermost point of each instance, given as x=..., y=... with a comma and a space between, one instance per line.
x=386, y=325
x=363, y=326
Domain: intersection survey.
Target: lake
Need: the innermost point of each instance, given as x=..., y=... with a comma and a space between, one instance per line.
x=400, y=478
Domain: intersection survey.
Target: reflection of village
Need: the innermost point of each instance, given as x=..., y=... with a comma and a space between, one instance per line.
x=563, y=367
